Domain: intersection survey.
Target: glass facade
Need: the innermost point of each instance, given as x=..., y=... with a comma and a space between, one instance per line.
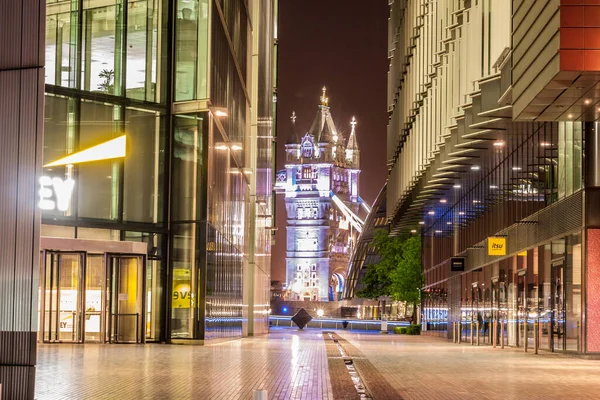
x=501, y=184
x=149, y=139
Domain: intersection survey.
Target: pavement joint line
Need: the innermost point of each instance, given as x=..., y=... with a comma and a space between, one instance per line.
x=375, y=385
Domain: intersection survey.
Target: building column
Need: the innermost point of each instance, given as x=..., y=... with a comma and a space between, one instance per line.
x=22, y=38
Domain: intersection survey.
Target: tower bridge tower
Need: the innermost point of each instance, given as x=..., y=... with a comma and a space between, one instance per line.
x=320, y=178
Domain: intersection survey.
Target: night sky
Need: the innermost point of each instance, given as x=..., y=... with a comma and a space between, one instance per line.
x=341, y=44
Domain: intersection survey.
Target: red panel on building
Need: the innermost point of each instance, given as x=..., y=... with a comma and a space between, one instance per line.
x=579, y=30
x=593, y=290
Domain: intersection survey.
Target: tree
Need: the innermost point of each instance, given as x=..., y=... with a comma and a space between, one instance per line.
x=377, y=281
x=398, y=273
x=407, y=277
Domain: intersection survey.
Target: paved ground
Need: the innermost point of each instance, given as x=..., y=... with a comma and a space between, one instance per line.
x=289, y=364
x=294, y=365
x=421, y=367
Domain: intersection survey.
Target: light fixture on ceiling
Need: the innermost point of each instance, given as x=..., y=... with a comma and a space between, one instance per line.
x=545, y=144
x=431, y=213
x=570, y=116
x=457, y=186
x=474, y=167
x=461, y=213
x=438, y=231
x=499, y=143
x=236, y=147
x=421, y=222
x=493, y=187
x=221, y=146
x=448, y=223
x=220, y=112
x=516, y=168
x=587, y=101
x=443, y=201
x=413, y=231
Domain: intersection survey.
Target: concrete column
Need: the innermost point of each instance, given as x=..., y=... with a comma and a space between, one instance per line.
x=22, y=38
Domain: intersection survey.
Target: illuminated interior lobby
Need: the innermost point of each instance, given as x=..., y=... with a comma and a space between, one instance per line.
x=493, y=157
x=156, y=190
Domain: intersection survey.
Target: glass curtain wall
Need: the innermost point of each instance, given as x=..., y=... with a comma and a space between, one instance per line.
x=188, y=216
x=191, y=42
x=103, y=81
x=543, y=168
x=127, y=189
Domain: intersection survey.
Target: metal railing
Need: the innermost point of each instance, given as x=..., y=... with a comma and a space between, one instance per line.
x=338, y=323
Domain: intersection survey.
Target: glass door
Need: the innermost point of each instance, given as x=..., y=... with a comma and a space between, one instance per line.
x=521, y=309
x=62, y=299
x=476, y=318
x=558, y=308
x=126, y=276
x=95, y=298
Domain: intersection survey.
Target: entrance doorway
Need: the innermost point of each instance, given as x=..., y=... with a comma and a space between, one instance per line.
x=522, y=312
x=557, y=323
x=91, y=297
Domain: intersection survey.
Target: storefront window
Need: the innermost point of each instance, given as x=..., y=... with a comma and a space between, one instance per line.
x=573, y=293
x=61, y=48
x=102, y=47
x=189, y=168
x=185, y=262
x=98, y=182
x=153, y=280
x=59, y=141
x=569, y=158
x=191, y=41
x=142, y=188
x=142, y=47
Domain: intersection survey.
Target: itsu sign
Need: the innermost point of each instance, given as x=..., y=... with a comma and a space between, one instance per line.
x=55, y=193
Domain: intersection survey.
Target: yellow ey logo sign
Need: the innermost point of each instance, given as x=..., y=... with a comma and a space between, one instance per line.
x=496, y=246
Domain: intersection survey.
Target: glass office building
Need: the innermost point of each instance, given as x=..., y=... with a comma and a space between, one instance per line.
x=493, y=156
x=156, y=191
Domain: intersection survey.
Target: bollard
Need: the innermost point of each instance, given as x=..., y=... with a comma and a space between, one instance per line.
x=525, y=336
x=502, y=333
x=477, y=334
x=260, y=394
x=454, y=332
x=578, y=336
x=384, y=329
x=459, y=328
x=536, y=335
x=471, y=332
x=495, y=334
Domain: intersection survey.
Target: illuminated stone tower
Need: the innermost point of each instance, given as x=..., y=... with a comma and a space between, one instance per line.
x=320, y=183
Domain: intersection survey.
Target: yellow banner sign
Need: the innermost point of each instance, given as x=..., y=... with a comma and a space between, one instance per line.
x=496, y=246
x=522, y=254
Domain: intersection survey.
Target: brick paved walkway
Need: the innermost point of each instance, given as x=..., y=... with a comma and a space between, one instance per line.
x=421, y=367
x=288, y=363
x=294, y=365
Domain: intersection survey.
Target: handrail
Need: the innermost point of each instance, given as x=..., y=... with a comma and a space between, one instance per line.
x=137, y=325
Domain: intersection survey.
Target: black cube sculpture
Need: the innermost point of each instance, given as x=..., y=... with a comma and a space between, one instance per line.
x=302, y=318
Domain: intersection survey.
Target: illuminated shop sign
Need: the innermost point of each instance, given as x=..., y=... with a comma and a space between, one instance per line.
x=55, y=193
x=496, y=246
x=457, y=264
